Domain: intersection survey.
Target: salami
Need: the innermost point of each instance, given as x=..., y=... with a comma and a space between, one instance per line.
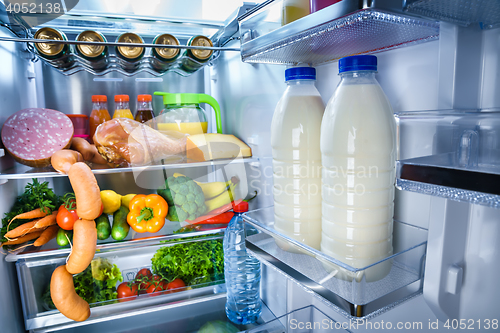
x=31, y=136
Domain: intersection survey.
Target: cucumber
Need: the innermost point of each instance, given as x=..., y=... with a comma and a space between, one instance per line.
x=103, y=227
x=120, y=226
x=61, y=237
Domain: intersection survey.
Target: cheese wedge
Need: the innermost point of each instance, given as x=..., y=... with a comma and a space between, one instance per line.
x=215, y=146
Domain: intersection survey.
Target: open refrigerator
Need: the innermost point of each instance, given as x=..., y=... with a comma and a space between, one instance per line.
x=439, y=65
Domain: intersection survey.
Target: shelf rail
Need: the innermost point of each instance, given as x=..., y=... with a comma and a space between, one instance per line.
x=31, y=40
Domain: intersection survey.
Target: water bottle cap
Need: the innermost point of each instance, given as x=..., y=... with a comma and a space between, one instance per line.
x=300, y=73
x=358, y=63
x=241, y=207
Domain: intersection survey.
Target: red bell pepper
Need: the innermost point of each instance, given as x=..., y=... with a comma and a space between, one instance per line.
x=222, y=218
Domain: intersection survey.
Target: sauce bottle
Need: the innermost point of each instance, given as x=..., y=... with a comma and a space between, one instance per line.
x=295, y=138
x=122, y=108
x=99, y=113
x=358, y=154
x=144, y=109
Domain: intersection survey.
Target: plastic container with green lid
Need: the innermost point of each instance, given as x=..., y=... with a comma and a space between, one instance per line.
x=182, y=113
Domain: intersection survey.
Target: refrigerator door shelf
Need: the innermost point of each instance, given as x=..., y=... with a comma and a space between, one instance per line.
x=450, y=153
x=345, y=28
x=359, y=292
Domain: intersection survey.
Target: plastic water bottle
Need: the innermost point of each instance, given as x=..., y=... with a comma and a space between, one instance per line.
x=241, y=271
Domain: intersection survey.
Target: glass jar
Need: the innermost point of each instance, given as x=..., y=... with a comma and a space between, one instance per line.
x=183, y=113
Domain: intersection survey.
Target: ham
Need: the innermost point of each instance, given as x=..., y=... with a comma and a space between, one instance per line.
x=32, y=135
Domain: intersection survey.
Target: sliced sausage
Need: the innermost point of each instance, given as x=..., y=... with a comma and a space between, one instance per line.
x=32, y=136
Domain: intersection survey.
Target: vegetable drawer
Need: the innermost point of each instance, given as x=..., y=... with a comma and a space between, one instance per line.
x=197, y=261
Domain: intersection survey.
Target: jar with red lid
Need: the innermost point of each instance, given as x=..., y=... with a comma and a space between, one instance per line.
x=99, y=113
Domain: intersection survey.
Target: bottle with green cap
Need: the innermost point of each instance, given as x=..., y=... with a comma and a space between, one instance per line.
x=182, y=113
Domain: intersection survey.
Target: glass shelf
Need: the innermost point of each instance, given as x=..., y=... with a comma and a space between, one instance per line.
x=346, y=28
x=20, y=171
x=134, y=241
x=457, y=155
x=444, y=170
x=456, y=194
x=359, y=292
x=485, y=13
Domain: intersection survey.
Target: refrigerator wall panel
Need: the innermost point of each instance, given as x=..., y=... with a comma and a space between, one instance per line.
x=490, y=84
x=17, y=92
x=408, y=76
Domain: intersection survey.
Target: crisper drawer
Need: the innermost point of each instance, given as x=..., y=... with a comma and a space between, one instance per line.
x=198, y=308
x=199, y=260
x=359, y=292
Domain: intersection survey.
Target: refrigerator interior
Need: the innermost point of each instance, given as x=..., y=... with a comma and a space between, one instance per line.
x=444, y=92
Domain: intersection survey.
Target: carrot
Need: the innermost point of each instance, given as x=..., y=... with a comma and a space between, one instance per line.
x=47, y=235
x=34, y=214
x=24, y=238
x=22, y=230
x=46, y=221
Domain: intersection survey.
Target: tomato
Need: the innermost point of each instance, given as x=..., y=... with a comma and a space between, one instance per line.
x=66, y=218
x=127, y=289
x=157, y=284
x=175, y=284
x=143, y=278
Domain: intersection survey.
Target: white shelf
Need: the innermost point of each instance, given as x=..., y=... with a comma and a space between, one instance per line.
x=20, y=171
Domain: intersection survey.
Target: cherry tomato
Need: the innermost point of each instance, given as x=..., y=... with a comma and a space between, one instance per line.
x=66, y=218
x=127, y=289
x=143, y=278
x=157, y=284
x=175, y=284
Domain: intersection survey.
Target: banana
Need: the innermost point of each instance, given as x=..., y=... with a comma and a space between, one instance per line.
x=210, y=190
x=223, y=199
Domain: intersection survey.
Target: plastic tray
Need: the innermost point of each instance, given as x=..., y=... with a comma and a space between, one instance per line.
x=365, y=292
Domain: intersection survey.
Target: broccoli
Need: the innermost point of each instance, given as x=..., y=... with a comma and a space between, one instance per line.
x=184, y=197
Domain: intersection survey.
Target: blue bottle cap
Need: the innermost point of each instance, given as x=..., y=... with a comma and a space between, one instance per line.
x=300, y=73
x=358, y=63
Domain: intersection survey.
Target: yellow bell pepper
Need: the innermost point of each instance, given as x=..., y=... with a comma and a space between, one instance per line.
x=147, y=213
